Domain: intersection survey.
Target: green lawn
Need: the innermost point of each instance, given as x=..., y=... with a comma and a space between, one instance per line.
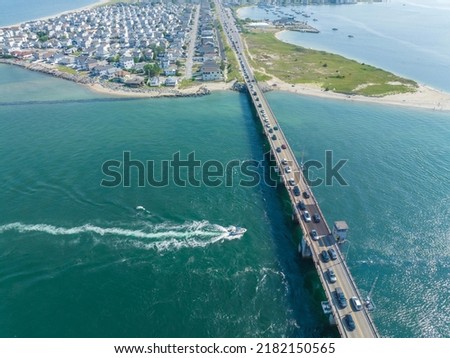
x=186, y=83
x=232, y=62
x=261, y=77
x=232, y=65
x=68, y=70
x=295, y=64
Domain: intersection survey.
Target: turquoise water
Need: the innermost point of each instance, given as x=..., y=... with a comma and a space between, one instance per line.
x=15, y=11
x=78, y=260
x=409, y=38
x=396, y=204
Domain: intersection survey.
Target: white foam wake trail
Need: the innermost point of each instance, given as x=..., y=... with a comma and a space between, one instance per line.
x=195, y=234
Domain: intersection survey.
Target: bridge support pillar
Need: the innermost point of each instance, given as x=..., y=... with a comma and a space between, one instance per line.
x=294, y=217
x=304, y=249
x=332, y=320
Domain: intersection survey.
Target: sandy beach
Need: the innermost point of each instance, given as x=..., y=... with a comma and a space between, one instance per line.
x=425, y=97
x=160, y=92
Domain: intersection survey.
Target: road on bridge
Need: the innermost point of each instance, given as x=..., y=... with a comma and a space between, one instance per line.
x=292, y=175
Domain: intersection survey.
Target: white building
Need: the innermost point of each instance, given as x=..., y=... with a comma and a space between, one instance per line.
x=126, y=62
x=340, y=230
x=211, y=71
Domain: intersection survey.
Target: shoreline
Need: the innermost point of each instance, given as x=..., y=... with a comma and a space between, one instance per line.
x=116, y=90
x=87, y=7
x=194, y=91
x=425, y=97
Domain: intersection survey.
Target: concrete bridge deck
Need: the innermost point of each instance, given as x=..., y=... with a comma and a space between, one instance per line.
x=284, y=157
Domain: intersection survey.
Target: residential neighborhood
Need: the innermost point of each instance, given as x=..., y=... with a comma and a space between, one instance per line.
x=136, y=44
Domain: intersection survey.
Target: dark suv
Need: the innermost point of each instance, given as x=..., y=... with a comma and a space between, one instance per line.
x=325, y=256
x=342, y=301
x=350, y=322
x=301, y=205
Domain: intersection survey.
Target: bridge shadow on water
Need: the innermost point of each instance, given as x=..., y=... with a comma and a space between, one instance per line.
x=304, y=288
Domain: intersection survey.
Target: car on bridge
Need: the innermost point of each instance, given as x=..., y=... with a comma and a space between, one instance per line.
x=283, y=146
x=340, y=297
x=306, y=216
x=296, y=191
x=331, y=275
x=316, y=218
x=350, y=322
x=288, y=169
x=325, y=256
x=356, y=303
x=314, y=234
x=274, y=137
x=306, y=195
x=301, y=205
x=291, y=181
x=278, y=149
x=332, y=253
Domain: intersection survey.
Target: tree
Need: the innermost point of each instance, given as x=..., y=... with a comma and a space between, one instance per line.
x=152, y=70
x=115, y=59
x=157, y=50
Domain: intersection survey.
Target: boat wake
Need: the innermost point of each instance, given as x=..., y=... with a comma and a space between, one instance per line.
x=159, y=237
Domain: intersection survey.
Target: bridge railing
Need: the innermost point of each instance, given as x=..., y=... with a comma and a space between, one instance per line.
x=352, y=281
x=306, y=236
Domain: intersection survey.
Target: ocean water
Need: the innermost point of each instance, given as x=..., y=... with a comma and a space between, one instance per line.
x=396, y=202
x=409, y=38
x=78, y=260
x=15, y=11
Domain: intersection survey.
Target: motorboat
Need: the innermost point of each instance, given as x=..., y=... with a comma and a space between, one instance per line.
x=236, y=230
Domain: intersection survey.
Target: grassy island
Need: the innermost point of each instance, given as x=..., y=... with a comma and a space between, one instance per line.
x=294, y=64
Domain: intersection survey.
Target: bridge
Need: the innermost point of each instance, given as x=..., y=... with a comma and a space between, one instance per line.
x=302, y=199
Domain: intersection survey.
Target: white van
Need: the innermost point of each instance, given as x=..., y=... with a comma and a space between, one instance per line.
x=356, y=303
